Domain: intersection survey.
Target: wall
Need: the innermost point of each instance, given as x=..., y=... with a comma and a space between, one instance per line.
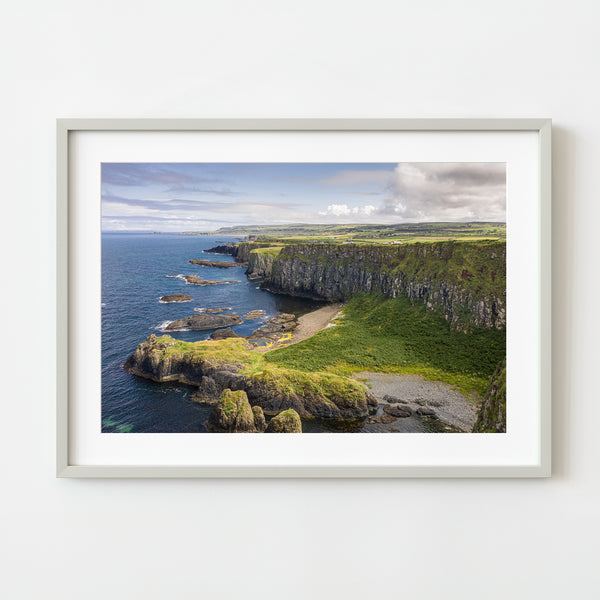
x=295, y=539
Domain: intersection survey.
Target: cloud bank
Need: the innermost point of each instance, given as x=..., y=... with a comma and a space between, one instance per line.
x=447, y=192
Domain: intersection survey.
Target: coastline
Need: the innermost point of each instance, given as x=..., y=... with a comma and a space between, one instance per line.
x=309, y=324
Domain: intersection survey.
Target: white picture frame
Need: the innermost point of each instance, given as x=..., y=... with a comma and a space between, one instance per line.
x=536, y=465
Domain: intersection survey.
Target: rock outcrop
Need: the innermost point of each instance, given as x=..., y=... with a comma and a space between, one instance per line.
x=240, y=251
x=260, y=264
x=287, y=421
x=230, y=249
x=233, y=414
x=492, y=415
x=195, y=280
x=397, y=410
x=176, y=298
x=277, y=325
x=221, y=334
x=204, y=322
x=465, y=280
x=212, y=367
x=216, y=264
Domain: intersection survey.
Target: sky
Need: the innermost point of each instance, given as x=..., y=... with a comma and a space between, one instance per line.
x=205, y=196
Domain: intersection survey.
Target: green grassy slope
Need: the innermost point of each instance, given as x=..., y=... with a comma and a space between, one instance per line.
x=393, y=335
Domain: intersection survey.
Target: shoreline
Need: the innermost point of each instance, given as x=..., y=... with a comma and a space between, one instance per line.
x=450, y=405
x=309, y=324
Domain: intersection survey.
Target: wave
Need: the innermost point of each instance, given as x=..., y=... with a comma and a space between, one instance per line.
x=163, y=325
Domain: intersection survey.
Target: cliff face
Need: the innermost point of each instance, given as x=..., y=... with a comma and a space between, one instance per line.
x=492, y=416
x=465, y=280
x=260, y=264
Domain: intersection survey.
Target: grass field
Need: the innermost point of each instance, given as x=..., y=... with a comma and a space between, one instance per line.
x=393, y=335
x=374, y=234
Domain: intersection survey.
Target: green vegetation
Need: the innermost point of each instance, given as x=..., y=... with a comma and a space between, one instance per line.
x=268, y=251
x=492, y=417
x=393, y=335
x=231, y=403
x=287, y=421
x=395, y=233
x=286, y=381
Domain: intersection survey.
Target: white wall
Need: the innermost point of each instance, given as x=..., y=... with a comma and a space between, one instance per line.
x=295, y=539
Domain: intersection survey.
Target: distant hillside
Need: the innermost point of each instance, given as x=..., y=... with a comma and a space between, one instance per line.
x=397, y=232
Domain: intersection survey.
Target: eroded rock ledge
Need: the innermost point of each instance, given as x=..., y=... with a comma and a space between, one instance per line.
x=204, y=322
x=214, y=366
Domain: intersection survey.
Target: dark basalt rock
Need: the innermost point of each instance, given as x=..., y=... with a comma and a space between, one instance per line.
x=397, y=410
x=393, y=400
x=217, y=264
x=287, y=421
x=223, y=249
x=222, y=334
x=425, y=411
x=204, y=322
x=208, y=392
x=280, y=323
x=195, y=280
x=176, y=298
x=260, y=423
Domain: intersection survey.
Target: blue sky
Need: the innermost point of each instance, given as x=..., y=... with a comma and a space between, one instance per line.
x=204, y=196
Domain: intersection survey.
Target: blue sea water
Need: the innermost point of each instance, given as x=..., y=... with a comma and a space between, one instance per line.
x=134, y=277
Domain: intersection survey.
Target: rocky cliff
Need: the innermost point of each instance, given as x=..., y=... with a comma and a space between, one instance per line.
x=465, y=280
x=240, y=251
x=492, y=415
x=226, y=364
x=260, y=263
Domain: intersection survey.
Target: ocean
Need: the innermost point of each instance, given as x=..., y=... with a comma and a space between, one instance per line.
x=135, y=269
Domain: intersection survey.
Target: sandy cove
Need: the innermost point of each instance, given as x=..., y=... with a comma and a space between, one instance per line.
x=309, y=324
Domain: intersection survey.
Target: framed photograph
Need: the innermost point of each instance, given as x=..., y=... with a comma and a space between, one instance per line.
x=376, y=293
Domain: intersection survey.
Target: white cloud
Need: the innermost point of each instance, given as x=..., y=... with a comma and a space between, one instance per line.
x=343, y=210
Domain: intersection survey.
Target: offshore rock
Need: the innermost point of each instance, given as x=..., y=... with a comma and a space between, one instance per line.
x=216, y=264
x=195, y=280
x=204, y=322
x=222, y=334
x=287, y=421
x=176, y=298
